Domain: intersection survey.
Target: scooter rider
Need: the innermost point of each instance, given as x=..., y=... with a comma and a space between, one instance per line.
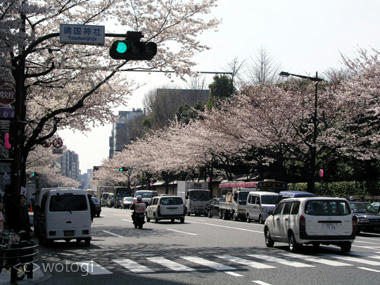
x=138, y=206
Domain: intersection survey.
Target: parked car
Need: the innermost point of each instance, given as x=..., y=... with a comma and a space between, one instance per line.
x=98, y=207
x=311, y=220
x=260, y=204
x=127, y=202
x=213, y=208
x=367, y=216
x=166, y=207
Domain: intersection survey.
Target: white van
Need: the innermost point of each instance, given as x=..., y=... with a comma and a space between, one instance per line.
x=260, y=204
x=311, y=220
x=146, y=195
x=63, y=214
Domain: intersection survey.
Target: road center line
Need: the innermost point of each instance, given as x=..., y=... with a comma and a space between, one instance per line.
x=116, y=235
x=260, y=282
x=228, y=227
x=182, y=232
x=369, y=269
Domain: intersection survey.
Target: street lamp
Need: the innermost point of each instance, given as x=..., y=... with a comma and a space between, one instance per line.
x=313, y=154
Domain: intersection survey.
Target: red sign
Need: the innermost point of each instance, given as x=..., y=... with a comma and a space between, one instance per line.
x=7, y=95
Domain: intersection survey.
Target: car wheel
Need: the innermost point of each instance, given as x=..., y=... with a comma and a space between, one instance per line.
x=87, y=242
x=293, y=245
x=345, y=246
x=172, y=221
x=98, y=215
x=268, y=240
x=209, y=214
x=147, y=219
x=182, y=220
x=220, y=214
x=261, y=220
x=225, y=215
x=235, y=217
x=316, y=245
x=248, y=219
x=156, y=220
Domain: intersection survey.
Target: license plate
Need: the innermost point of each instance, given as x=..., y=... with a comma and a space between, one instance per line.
x=68, y=233
x=330, y=226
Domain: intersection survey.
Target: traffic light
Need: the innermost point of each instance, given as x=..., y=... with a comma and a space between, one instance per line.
x=122, y=169
x=132, y=48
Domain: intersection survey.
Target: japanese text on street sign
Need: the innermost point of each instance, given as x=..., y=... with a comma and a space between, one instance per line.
x=81, y=34
x=7, y=113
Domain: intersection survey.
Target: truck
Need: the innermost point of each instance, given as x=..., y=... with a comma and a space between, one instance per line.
x=235, y=205
x=195, y=196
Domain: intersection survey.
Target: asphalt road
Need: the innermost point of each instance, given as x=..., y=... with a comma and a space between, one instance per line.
x=201, y=251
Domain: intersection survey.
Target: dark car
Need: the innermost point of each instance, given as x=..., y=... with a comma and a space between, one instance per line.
x=98, y=208
x=213, y=208
x=367, y=216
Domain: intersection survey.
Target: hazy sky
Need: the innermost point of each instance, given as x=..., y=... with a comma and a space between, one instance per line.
x=301, y=36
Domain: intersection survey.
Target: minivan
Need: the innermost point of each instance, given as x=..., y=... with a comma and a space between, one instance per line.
x=260, y=204
x=63, y=214
x=166, y=208
x=146, y=195
x=311, y=220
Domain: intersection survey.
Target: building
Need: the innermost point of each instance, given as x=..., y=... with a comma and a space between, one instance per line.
x=69, y=164
x=122, y=131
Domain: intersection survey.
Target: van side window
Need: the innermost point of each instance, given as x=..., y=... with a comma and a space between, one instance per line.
x=286, y=210
x=278, y=209
x=295, y=208
x=154, y=201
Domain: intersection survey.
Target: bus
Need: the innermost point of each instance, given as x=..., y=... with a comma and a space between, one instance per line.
x=266, y=185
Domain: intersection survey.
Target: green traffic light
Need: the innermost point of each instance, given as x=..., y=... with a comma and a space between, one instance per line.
x=121, y=48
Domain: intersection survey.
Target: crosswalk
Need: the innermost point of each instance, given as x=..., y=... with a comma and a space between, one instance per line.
x=231, y=264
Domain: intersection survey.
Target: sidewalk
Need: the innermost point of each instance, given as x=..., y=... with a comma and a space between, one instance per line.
x=38, y=276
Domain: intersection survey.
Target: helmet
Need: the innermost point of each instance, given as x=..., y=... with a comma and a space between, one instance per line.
x=139, y=198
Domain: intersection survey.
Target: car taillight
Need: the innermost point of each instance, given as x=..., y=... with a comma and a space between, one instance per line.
x=354, y=224
x=158, y=210
x=302, y=224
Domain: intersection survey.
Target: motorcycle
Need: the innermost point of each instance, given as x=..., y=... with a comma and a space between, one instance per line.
x=138, y=220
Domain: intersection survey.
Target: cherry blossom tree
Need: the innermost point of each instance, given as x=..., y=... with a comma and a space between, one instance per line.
x=73, y=86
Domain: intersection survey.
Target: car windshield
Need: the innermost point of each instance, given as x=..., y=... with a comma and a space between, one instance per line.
x=199, y=195
x=269, y=199
x=373, y=208
x=327, y=208
x=144, y=194
x=243, y=196
x=359, y=207
x=68, y=202
x=171, y=201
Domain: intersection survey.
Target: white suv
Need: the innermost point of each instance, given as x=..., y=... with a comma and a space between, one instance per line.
x=166, y=207
x=311, y=220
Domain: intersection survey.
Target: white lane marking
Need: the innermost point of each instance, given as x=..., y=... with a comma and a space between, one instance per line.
x=125, y=220
x=280, y=260
x=116, y=235
x=360, y=241
x=317, y=259
x=369, y=269
x=247, y=262
x=228, y=227
x=234, y=274
x=133, y=266
x=208, y=263
x=170, y=264
x=367, y=247
x=356, y=259
x=260, y=282
x=93, y=268
x=177, y=231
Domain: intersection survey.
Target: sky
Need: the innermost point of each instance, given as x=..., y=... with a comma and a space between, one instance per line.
x=300, y=36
